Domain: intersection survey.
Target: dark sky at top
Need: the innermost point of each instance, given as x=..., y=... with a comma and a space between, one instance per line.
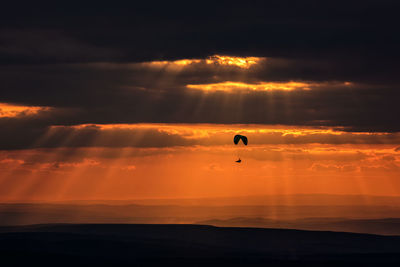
x=79, y=59
x=341, y=31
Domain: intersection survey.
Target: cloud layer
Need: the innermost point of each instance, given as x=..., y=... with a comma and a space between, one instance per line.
x=308, y=64
x=179, y=135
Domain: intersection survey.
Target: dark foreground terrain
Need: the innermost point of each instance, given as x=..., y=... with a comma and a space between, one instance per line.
x=189, y=245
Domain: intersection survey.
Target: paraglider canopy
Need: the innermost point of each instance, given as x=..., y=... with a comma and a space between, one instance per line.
x=239, y=137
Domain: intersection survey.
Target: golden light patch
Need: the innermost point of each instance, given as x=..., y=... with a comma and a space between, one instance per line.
x=219, y=60
x=241, y=62
x=262, y=86
x=181, y=62
x=230, y=86
x=9, y=110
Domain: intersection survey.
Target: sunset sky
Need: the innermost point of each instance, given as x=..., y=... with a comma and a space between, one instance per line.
x=137, y=102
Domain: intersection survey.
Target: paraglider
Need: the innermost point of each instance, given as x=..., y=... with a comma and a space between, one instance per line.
x=239, y=137
x=236, y=141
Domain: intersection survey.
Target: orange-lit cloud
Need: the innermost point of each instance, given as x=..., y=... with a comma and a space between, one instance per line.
x=242, y=62
x=10, y=110
x=261, y=86
x=170, y=135
x=217, y=60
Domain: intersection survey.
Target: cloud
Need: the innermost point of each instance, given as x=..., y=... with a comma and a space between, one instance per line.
x=133, y=93
x=172, y=31
x=318, y=167
x=140, y=64
x=129, y=168
x=213, y=168
x=47, y=45
x=12, y=111
x=304, y=158
x=18, y=134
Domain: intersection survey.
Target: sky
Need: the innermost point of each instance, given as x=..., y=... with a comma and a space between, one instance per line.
x=141, y=101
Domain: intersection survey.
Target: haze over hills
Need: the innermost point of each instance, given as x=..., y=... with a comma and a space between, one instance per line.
x=252, y=200
x=372, y=214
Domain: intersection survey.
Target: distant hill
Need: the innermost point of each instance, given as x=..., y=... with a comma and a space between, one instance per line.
x=386, y=226
x=28, y=213
x=190, y=245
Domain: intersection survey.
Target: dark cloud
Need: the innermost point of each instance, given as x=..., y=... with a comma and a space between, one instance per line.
x=24, y=136
x=145, y=31
x=132, y=93
x=48, y=45
x=19, y=133
x=83, y=61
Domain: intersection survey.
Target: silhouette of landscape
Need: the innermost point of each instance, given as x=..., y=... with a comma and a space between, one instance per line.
x=203, y=232
x=197, y=245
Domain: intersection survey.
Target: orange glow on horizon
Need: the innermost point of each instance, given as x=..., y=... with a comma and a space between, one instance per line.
x=198, y=160
x=199, y=171
x=132, y=173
